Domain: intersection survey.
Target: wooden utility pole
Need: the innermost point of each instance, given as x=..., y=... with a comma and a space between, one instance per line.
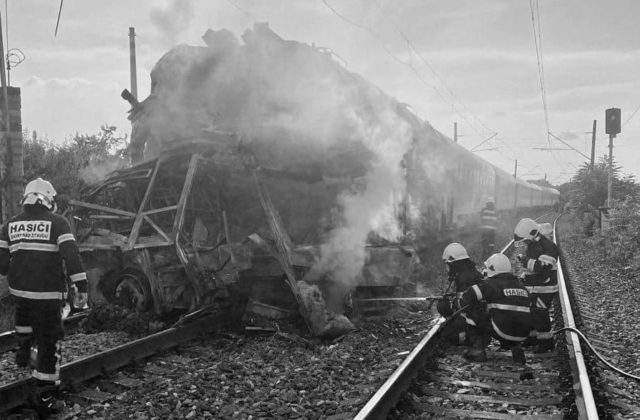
x=515, y=177
x=593, y=145
x=132, y=62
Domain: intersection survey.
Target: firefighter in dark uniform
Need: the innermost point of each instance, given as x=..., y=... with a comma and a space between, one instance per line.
x=508, y=318
x=488, y=227
x=462, y=275
x=33, y=247
x=541, y=279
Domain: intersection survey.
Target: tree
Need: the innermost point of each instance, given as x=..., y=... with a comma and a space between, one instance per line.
x=71, y=166
x=588, y=188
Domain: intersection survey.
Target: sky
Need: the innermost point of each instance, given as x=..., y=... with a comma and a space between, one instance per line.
x=506, y=71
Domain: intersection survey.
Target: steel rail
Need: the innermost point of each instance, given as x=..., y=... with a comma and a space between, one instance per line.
x=386, y=397
x=17, y=393
x=388, y=394
x=8, y=338
x=585, y=402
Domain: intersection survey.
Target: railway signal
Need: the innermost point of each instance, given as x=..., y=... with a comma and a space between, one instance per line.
x=612, y=127
x=612, y=116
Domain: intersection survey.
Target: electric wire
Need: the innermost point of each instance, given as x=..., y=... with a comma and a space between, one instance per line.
x=58, y=20
x=537, y=40
x=370, y=30
x=437, y=76
x=242, y=10
x=633, y=114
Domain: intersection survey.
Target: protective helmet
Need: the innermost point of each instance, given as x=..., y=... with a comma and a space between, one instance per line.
x=490, y=200
x=39, y=191
x=546, y=228
x=496, y=264
x=525, y=229
x=454, y=252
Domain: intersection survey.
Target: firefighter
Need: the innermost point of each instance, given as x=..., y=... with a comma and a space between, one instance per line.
x=540, y=278
x=462, y=273
x=488, y=227
x=33, y=247
x=508, y=317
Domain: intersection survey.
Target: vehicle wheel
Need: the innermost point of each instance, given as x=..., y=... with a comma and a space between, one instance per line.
x=132, y=292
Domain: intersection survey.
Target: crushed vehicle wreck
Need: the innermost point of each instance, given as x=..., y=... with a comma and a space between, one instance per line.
x=197, y=225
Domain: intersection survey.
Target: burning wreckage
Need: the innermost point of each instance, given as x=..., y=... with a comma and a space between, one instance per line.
x=262, y=175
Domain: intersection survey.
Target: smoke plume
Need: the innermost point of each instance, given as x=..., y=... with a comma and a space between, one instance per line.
x=298, y=109
x=172, y=19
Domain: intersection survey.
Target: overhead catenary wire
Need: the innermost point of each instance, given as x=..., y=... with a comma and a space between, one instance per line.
x=633, y=114
x=55, y=33
x=242, y=10
x=537, y=40
x=370, y=30
x=437, y=76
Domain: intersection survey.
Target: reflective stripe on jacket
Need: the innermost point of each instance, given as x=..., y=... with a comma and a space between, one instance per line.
x=541, y=276
x=507, y=302
x=488, y=219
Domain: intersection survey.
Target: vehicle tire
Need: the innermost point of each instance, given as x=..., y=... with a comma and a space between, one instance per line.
x=132, y=291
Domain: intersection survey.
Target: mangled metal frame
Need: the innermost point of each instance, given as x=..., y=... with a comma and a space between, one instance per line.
x=134, y=241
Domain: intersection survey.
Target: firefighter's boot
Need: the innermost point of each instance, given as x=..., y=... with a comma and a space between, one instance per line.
x=46, y=399
x=517, y=355
x=477, y=352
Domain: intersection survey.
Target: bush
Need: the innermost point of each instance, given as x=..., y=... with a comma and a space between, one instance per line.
x=620, y=245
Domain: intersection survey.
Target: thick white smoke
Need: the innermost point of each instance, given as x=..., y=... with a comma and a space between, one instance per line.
x=373, y=207
x=332, y=119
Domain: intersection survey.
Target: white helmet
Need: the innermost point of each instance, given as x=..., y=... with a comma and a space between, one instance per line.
x=490, y=200
x=454, y=252
x=496, y=264
x=546, y=228
x=39, y=191
x=525, y=229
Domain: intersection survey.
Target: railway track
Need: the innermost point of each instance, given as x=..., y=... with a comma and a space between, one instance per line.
x=436, y=381
x=8, y=341
x=18, y=393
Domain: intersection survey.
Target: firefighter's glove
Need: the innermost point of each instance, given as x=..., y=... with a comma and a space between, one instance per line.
x=445, y=308
x=80, y=299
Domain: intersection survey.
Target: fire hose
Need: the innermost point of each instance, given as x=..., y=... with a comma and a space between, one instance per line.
x=595, y=352
x=582, y=337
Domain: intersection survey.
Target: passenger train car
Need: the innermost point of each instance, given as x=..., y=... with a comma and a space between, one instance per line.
x=448, y=185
